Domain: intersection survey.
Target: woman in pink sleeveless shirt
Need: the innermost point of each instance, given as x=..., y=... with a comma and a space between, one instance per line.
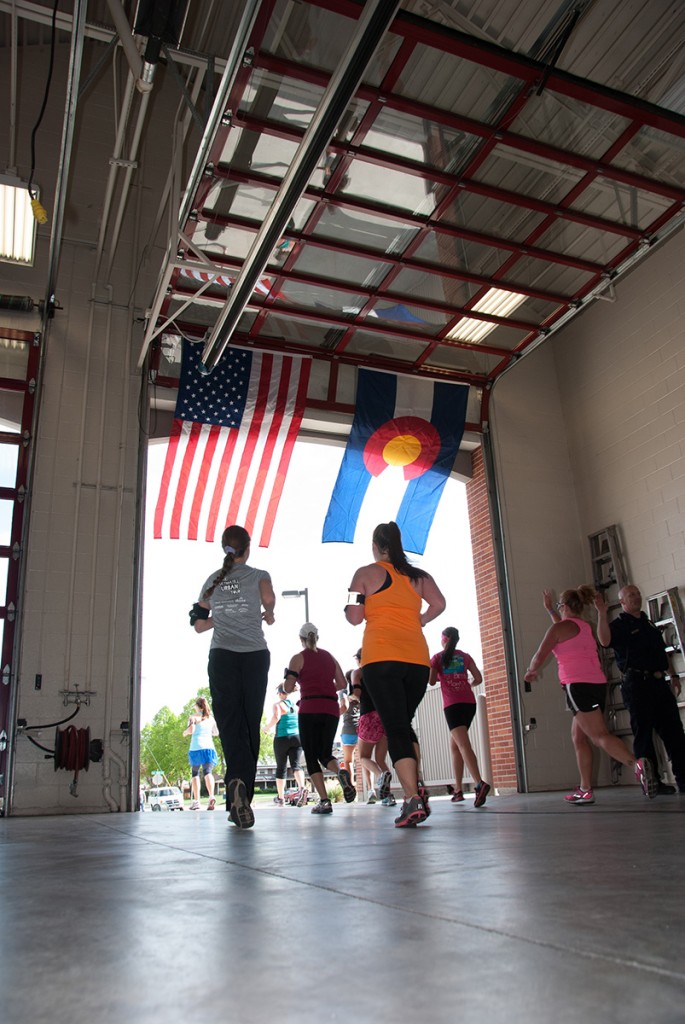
x=573, y=644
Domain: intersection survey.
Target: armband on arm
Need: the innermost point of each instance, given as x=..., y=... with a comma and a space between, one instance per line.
x=354, y=597
x=198, y=612
x=291, y=672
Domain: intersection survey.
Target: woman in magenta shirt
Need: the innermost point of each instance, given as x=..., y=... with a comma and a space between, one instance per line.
x=573, y=644
x=457, y=673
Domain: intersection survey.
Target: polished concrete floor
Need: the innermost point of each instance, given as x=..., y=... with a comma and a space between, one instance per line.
x=524, y=910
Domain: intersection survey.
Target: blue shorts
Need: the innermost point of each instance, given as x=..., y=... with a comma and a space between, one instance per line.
x=203, y=758
x=349, y=739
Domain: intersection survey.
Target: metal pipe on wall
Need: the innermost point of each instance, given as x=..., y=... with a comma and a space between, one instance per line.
x=128, y=174
x=68, y=127
x=121, y=24
x=114, y=167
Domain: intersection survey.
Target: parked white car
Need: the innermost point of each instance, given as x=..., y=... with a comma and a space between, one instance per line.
x=165, y=798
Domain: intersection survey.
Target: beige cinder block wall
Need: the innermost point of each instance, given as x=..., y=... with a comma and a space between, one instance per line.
x=589, y=431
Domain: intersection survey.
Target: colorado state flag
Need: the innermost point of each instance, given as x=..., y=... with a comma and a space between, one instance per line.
x=399, y=421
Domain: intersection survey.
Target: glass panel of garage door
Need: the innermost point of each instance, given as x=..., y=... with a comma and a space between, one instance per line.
x=6, y=510
x=11, y=406
x=9, y=456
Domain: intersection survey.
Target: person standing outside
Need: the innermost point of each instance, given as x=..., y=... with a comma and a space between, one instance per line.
x=572, y=642
x=644, y=664
x=202, y=755
x=320, y=678
x=287, y=745
x=349, y=723
x=233, y=603
x=452, y=668
x=388, y=596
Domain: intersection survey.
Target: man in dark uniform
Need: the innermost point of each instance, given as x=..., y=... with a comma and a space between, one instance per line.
x=648, y=695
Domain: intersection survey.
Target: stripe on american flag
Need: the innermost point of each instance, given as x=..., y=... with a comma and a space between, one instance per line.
x=233, y=470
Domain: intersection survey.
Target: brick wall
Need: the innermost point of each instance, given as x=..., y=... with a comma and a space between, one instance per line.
x=502, y=754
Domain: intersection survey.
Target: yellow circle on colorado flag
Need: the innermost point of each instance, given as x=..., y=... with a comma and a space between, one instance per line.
x=409, y=442
x=402, y=450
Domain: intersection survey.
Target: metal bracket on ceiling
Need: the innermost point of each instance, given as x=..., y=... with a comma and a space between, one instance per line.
x=609, y=294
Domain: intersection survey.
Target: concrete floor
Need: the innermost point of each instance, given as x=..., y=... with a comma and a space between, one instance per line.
x=524, y=910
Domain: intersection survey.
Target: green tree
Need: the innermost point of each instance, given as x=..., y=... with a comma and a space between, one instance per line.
x=163, y=748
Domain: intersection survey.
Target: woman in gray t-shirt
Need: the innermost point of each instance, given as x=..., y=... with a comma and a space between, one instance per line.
x=233, y=603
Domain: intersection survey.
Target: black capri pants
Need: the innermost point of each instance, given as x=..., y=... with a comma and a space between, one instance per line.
x=317, y=733
x=396, y=689
x=287, y=748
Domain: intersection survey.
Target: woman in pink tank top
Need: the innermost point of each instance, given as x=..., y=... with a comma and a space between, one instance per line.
x=571, y=640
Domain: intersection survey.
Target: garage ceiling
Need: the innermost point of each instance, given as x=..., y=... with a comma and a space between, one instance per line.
x=499, y=166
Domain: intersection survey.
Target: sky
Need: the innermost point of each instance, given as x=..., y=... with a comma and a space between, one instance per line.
x=174, y=656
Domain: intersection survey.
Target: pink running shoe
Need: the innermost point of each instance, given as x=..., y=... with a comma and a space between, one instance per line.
x=413, y=812
x=481, y=791
x=580, y=796
x=457, y=797
x=644, y=773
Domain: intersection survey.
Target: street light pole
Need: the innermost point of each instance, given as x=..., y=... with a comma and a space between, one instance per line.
x=299, y=593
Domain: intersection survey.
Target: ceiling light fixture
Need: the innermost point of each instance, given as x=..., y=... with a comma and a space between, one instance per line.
x=496, y=302
x=17, y=221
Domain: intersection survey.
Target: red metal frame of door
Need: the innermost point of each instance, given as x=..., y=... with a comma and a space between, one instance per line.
x=13, y=551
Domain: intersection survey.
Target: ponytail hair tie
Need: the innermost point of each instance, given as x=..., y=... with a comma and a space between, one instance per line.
x=228, y=550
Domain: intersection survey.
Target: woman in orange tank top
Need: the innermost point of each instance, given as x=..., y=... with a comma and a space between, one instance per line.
x=388, y=596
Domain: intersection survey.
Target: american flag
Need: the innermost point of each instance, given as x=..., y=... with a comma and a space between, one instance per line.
x=231, y=441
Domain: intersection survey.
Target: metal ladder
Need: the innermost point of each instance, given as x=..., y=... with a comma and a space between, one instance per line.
x=666, y=612
x=608, y=565
x=609, y=575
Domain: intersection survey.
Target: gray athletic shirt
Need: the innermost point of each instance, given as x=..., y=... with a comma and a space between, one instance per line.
x=237, y=609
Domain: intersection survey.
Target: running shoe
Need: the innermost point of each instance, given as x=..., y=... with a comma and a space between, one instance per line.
x=323, y=807
x=303, y=798
x=413, y=812
x=194, y=806
x=644, y=773
x=457, y=797
x=389, y=801
x=580, y=796
x=240, y=812
x=279, y=801
x=345, y=780
x=371, y=798
x=425, y=797
x=384, y=781
x=212, y=804
x=482, y=790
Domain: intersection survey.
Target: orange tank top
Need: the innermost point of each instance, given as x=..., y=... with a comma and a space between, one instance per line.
x=393, y=625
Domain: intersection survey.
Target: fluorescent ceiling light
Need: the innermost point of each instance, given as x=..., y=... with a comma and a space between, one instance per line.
x=496, y=302
x=17, y=223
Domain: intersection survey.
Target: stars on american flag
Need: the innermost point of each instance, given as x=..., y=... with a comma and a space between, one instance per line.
x=218, y=397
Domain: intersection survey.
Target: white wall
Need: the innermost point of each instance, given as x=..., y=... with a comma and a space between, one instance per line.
x=621, y=369
x=589, y=431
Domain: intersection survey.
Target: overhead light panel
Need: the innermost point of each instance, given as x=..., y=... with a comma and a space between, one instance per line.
x=496, y=302
x=17, y=222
